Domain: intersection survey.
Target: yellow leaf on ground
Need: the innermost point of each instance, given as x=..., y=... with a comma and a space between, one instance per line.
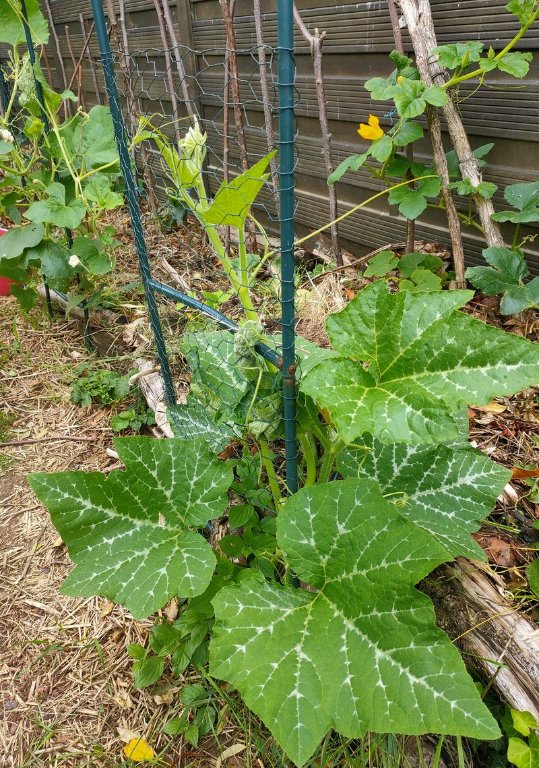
x=139, y=750
x=492, y=407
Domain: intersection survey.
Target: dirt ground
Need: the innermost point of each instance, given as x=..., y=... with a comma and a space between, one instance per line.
x=67, y=697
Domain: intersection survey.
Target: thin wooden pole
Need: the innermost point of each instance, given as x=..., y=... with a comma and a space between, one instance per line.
x=168, y=65
x=67, y=103
x=316, y=42
x=89, y=58
x=178, y=60
x=264, y=89
x=77, y=69
x=399, y=45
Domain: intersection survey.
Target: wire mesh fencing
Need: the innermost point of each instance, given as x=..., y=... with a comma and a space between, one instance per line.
x=197, y=141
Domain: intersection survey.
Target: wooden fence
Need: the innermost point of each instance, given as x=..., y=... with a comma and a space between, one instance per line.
x=359, y=37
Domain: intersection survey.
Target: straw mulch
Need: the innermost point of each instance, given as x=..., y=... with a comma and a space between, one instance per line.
x=66, y=691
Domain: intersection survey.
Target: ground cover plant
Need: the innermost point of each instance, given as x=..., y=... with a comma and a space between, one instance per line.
x=59, y=178
x=360, y=543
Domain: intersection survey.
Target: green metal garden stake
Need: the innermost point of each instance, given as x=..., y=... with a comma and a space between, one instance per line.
x=287, y=130
x=131, y=194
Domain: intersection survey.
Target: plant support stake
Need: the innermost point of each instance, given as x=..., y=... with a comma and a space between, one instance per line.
x=131, y=194
x=287, y=130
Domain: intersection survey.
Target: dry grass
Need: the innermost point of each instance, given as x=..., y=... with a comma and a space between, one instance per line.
x=64, y=671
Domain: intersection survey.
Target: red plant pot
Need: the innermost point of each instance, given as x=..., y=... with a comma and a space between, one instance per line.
x=5, y=282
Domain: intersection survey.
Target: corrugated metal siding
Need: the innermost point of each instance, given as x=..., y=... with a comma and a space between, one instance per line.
x=358, y=39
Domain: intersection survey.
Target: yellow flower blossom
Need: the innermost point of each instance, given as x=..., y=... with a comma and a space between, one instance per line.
x=372, y=131
x=400, y=79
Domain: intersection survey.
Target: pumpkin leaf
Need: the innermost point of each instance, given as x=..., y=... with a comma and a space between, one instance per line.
x=407, y=361
x=112, y=524
x=361, y=652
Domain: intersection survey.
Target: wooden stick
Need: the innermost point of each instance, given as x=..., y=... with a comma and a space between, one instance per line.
x=418, y=17
x=488, y=629
x=232, y=59
x=316, y=42
x=178, y=60
x=89, y=57
x=168, y=65
x=399, y=45
x=49, y=438
x=47, y=64
x=234, y=81
x=67, y=103
x=83, y=52
x=77, y=69
x=264, y=89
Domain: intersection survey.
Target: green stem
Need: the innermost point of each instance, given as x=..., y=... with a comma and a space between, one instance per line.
x=515, y=236
x=267, y=460
x=308, y=448
x=242, y=253
x=462, y=216
x=479, y=72
x=328, y=461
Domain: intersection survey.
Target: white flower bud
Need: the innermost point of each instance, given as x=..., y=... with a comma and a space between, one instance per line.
x=6, y=136
x=74, y=261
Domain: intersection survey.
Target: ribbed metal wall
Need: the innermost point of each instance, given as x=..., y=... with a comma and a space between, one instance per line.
x=359, y=36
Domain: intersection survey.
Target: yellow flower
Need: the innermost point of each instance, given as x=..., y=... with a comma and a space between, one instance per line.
x=372, y=131
x=400, y=79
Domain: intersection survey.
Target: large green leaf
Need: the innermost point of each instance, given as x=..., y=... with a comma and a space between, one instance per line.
x=215, y=365
x=92, y=255
x=234, y=199
x=444, y=489
x=516, y=63
x=525, y=198
x=14, y=242
x=194, y=420
x=407, y=361
x=361, y=652
x=131, y=534
x=93, y=138
x=14, y=248
x=53, y=210
x=11, y=26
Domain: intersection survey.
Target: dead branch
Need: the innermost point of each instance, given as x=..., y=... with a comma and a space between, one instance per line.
x=178, y=60
x=495, y=638
x=168, y=65
x=77, y=70
x=67, y=103
x=418, y=17
x=316, y=42
x=399, y=45
x=85, y=51
x=264, y=89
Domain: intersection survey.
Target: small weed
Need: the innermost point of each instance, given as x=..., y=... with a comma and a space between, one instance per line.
x=105, y=387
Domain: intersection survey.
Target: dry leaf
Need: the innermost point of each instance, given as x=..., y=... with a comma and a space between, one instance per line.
x=123, y=700
x=165, y=698
x=519, y=473
x=107, y=606
x=235, y=749
x=492, y=407
x=139, y=750
x=171, y=610
x=126, y=734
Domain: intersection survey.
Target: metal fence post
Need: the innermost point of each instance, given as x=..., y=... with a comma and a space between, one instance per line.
x=287, y=131
x=131, y=194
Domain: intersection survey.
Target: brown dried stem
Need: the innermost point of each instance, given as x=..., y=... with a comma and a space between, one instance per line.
x=316, y=42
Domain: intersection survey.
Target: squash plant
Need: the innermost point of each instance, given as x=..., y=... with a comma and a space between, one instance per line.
x=59, y=177
x=355, y=646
